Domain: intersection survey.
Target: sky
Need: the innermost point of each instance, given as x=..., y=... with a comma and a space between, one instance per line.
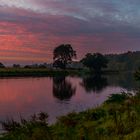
x=31, y=29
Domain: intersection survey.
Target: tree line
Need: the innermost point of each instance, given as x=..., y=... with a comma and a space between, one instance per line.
x=64, y=54
x=129, y=61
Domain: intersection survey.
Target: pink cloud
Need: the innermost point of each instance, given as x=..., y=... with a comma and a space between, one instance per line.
x=27, y=35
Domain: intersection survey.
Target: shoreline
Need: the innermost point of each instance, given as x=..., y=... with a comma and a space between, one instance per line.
x=117, y=118
x=44, y=72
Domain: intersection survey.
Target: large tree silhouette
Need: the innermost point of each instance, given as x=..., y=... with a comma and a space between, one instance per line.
x=63, y=55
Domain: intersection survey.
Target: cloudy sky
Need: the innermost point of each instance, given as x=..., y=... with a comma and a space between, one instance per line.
x=30, y=29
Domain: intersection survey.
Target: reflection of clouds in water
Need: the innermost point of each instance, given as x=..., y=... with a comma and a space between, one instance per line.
x=31, y=95
x=82, y=101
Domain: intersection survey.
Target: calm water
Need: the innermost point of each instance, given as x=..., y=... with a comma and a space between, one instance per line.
x=59, y=95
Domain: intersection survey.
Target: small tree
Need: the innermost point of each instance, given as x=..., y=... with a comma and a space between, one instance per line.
x=2, y=65
x=95, y=62
x=16, y=65
x=63, y=55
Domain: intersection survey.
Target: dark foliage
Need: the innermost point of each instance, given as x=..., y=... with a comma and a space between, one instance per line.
x=62, y=55
x=16, y=65
x=2, y=65
x=12, y=125
x=129, y=61
x=95, y=62
x=118, y=98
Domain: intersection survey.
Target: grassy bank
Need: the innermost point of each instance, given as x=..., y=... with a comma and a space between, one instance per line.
x=117, y=119
x=42, y=72
x=35, y=72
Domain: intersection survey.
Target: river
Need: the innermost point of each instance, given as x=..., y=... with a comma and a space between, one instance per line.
x=58, y=95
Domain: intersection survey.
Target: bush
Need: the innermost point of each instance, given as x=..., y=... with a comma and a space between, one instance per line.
x=118, y=98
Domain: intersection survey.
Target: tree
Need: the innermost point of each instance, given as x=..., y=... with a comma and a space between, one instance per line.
x=16, y=65
x=2, y=65
x=63, y=55
x=95, y=62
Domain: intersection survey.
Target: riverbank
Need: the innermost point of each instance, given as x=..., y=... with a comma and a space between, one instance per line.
x=118, y=118
x=44, y=72
x=35, y=72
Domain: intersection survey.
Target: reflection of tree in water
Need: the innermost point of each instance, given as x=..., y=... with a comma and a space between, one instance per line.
x=94, y=83
x=62, y=88
x=124, y=80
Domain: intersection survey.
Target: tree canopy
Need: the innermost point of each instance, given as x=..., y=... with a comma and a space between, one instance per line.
x=95, y=61
x=129, y=61
x=63, y=55
x=2, y=65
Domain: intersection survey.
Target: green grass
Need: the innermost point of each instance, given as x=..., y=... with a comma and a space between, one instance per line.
x=43, y=72
x=117, y=119
x=35, y=72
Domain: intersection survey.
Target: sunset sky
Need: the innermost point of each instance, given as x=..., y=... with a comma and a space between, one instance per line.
x=30, y=29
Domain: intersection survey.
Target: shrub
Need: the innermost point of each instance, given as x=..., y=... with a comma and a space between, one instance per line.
x=118, y=98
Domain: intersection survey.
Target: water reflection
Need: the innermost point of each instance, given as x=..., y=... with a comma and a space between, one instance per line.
x=62, y=88
x=27, y=96
x=94, y=83
x=124, y=80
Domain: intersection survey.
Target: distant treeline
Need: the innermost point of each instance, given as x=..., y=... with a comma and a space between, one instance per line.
x=63, y=59
x=129, y=61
